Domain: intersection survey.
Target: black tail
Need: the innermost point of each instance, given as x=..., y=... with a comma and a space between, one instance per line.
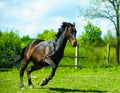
x=17, y=60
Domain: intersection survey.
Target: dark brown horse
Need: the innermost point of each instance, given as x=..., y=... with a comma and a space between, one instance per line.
x=46, y=53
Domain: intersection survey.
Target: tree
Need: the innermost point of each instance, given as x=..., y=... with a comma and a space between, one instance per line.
x=108, y=9
x=109, y=39
x=91, y=36
x=7, y=42
x=25, y=40
x=47, y=35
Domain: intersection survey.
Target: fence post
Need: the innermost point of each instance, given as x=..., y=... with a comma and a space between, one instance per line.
x=76, y=55
x=5, y=55
x=14, y=51
x=108, y=54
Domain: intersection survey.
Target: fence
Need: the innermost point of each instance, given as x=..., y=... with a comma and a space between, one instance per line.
x=76, y=57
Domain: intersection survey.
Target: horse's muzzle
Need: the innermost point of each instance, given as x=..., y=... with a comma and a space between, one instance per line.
x=74, y=44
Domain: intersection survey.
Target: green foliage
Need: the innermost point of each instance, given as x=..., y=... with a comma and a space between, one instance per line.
x=110, y=39
x=108, y=9
x=46, y=35
x=91, y=36
x=69, y=52
x=11, y=45
x=95, y=56
x=25, y=40
x=94, y=48
x=9, y=40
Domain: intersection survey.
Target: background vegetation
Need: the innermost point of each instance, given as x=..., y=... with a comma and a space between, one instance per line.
x=91, y=44
x=110, y=10
x=94, y=75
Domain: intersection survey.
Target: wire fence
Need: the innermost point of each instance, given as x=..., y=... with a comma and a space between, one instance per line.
x=6, y=58
x=75, y=59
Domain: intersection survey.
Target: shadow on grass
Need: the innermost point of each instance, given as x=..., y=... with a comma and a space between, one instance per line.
x=63, y=90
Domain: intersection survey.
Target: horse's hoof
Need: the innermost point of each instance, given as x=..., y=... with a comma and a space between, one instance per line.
x=23, y=88
x=31, y=86
x=43, y=83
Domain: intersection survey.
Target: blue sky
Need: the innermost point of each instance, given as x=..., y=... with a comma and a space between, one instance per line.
x=31, y=17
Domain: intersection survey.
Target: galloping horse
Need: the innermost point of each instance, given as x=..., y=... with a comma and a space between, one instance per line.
x=46, y=53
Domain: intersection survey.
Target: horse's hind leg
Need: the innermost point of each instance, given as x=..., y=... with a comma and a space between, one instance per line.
x=22, y=73
x=31, y=69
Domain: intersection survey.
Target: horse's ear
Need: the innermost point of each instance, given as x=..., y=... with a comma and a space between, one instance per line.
x=63, y=23
x=73, y=23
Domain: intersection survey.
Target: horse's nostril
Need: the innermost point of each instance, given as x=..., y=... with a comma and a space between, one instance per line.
x=74, y=44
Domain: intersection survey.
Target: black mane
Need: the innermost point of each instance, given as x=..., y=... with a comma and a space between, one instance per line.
x=61, y=29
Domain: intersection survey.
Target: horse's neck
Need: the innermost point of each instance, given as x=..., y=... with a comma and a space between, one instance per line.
x=61, y=42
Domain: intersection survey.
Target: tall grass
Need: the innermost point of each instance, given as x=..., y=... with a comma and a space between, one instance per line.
x=94, y=56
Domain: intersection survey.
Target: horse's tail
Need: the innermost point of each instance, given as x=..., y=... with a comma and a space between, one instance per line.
x=18, y=59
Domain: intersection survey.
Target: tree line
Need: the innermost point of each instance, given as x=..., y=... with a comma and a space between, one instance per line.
x=110, y=10
x=90, y=40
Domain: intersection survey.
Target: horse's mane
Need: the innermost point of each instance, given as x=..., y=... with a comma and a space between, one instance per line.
x=61, y=29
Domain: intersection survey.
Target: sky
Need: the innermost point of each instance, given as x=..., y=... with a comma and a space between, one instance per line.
x=31, y=17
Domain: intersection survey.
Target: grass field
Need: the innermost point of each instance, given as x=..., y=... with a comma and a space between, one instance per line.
x=66, y=80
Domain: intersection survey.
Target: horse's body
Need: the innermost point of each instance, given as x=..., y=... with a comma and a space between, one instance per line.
x=45, y=53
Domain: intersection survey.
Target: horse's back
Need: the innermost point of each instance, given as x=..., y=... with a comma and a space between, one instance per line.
x=30, y=48
x=39, y=51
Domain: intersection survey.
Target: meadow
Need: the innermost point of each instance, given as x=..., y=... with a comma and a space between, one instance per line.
x=66, y=80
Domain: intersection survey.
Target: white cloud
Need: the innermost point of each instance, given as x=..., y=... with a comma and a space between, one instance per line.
x=2, y=4
x=32, y=16
x=30, y=29
x=34, y=10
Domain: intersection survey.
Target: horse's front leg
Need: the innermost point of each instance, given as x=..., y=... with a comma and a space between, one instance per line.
x=48, y=60
x=46, y=80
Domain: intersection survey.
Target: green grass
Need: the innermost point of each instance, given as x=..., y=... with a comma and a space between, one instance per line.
x=66, y=80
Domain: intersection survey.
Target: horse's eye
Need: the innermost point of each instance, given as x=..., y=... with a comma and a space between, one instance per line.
x=71, y=31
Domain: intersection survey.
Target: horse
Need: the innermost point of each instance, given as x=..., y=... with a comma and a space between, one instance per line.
x=46, y=53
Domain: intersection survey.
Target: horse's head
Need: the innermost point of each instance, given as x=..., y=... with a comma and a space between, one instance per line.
x=71, y=33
